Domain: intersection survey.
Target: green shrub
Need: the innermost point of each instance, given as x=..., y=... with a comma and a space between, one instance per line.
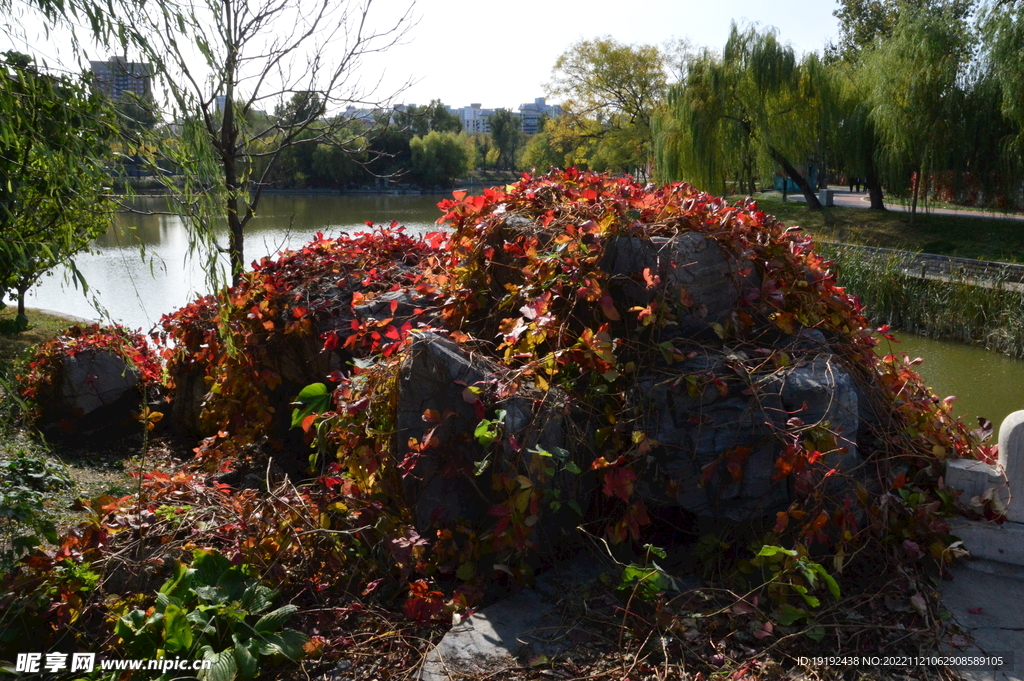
x=24, y=481
x=213, y=610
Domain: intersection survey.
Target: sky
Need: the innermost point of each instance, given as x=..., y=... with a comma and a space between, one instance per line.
x=501, y=54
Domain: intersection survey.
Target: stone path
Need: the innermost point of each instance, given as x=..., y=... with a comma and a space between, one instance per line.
x=986, y=599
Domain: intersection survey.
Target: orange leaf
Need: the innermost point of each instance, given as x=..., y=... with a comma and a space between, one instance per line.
x=608, y=307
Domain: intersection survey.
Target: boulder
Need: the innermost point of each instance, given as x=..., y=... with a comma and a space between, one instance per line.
x=705, y=282
x=718, y=441
x=93, y=379
x=698, y=428
x=443, y=486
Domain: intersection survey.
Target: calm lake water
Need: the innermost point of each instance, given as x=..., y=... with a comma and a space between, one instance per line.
x=137, y=293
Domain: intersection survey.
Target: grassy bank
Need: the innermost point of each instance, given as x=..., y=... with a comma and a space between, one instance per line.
x=40, y=482
x=969, y=237
x=950, y=310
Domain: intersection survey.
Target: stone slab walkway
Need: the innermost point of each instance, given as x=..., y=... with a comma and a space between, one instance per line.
x=986, y=599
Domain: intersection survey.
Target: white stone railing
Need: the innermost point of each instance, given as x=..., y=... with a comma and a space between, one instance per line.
x=1004, y=543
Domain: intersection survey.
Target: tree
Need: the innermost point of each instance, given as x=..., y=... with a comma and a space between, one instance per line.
x=507, y=135
x=619, y=87
x=440, y=157
x=915, y=96
x=739, y=114
x=863, y=23
x=1002, y=26
x=220, y=61
x=54, y=141
x=853, y=139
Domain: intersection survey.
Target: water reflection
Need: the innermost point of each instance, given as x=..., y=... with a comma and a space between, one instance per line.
x=136, y=291
x=985, y=383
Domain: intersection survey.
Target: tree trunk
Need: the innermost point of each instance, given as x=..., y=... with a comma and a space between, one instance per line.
x=236, y=242
x=874, y=187
x=913, y=201
x=798, y=179
x=21, y=301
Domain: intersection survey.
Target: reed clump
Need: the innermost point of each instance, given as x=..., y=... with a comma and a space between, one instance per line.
x=955, y=307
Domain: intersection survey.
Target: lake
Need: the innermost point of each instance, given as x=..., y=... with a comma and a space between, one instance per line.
x=137, y=293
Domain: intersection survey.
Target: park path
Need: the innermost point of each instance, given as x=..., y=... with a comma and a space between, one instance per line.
x=844, y=197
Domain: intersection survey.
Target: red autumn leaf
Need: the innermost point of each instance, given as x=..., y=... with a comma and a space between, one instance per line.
x=431, y=416
x=975, y=611
x=618, y=482
x=781, y=521
x=308, y=422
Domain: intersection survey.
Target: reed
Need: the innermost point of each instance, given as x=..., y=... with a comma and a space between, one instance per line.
x=989, y=313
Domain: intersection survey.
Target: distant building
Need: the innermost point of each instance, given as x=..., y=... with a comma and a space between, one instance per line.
x=117, y=75
x=474, y=118
x=531, y=113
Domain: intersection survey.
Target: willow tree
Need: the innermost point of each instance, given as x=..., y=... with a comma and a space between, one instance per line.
x=853, y=140
x=740, y=114
x=915, y=95
x=1002, y=27
x=221, y=62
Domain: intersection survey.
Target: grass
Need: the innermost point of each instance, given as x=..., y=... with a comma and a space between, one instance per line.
x=968, y=237
x=956, y=310
x=92, y=473
x=15, y=347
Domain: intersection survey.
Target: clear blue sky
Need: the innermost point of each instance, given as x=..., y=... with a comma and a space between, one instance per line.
x=501, y=54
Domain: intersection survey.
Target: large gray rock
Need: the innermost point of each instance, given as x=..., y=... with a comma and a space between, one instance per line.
x=93, y=379
x=696, y=434
x=822, y=392
x=728, y=419
x=714, y=281
x=443, y=486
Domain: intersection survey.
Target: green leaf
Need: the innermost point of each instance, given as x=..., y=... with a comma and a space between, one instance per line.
x=655, y=550
x=177, y=629
x=816, y=633
x=273, y=621
x=210, y=567
x=573, y=468
x=313, y=399
x=258, y=598
x=211, y=594
x=486, y=432
x=287, y=643
x=247, y=657
x=769, y=551
x=787, y=614
x=223, y=667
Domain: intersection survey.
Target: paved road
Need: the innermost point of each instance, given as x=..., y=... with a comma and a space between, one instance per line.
x=844, y=197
